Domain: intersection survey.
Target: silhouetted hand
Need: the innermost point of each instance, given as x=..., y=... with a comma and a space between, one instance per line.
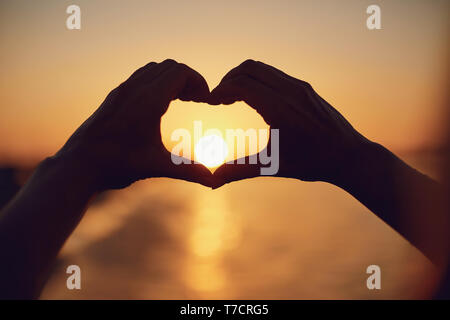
x=314, y=138
x=121, y=142
x=316, y=143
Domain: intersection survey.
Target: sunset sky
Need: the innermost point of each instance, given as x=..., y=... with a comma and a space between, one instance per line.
x=388, y=83
x=265, y=238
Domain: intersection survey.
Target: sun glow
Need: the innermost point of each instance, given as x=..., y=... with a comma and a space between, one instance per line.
x=211, y=150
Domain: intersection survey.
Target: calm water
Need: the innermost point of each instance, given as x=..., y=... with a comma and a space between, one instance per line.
x=265, y=238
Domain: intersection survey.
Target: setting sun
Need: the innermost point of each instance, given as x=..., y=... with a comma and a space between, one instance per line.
x=211, y=150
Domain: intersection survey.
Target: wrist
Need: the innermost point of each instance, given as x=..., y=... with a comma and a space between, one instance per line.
x=72, y=171
x=362, y=163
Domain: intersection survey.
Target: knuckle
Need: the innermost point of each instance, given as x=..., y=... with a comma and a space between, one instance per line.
x=150, y=64
x=169, y=62
x=182, y=67
x=137, y=72
x=248, y=64
x=306, y=85
x=116, y=91
x=121, y=89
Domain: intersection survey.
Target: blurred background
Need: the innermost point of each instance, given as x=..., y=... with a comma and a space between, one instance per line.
x=265, y=238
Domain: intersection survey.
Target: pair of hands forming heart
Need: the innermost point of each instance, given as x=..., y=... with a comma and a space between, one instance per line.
x=121, y=142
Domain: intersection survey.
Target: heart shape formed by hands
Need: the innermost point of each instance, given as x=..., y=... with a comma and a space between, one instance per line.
x=213, y=135
x=121, y=142
x=310, y=140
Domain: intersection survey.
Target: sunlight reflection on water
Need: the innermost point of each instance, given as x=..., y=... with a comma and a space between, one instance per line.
x=261, y=238
x=215, y=229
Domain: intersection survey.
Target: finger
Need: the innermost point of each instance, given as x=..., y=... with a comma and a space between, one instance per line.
x=189, y=171
x=181, y=82
x=140, y=71
x=260, y=97
x=236, y=170
x=196, y=88
x=268, y=75
x=148, y=73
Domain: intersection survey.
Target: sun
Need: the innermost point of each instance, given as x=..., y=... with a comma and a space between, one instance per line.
x=211, y=151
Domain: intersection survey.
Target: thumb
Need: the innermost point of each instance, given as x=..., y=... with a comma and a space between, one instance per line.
x=243, y=168
x=189, y=171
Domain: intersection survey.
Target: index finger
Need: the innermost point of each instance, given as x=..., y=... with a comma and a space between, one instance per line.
x=270, y=76
x=181, y=82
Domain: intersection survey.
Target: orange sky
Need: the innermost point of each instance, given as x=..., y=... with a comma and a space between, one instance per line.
x=388, y=83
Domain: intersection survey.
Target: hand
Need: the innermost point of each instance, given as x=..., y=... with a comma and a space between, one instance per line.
x=121, y=142
x=315, y=141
